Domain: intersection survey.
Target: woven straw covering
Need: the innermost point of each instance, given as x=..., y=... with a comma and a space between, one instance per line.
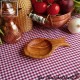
x=24, y=22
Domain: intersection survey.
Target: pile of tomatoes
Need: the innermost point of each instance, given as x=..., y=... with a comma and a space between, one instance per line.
x=45, y=6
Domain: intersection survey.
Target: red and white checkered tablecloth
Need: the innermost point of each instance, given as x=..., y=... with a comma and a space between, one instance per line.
x=63, y=64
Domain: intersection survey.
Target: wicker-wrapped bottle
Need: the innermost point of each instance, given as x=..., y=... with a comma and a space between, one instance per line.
x=23, y=20
x=11, y=33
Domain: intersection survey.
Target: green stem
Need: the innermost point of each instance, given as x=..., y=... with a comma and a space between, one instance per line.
x=0, y=38
x=1, y=32
x=0, y=41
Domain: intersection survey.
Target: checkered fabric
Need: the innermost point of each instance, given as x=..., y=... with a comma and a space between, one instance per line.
x=63, y=64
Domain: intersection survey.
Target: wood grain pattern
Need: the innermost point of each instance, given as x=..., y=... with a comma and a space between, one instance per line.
x=43, y=48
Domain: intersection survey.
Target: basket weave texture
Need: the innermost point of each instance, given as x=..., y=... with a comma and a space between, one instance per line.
x=23, y=21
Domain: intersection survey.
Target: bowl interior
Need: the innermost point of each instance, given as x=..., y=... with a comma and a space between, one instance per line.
x=38, y=48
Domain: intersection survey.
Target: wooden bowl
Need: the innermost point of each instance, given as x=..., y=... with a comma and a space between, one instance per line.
x=57, y=21
x=51, y=21
x=43, y=47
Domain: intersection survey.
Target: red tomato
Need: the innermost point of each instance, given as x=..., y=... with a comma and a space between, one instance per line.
x=33, y=1
x=48, y=1
x=40, y=7
x=53, y=9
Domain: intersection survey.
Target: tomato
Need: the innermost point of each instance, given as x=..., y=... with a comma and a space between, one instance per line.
x=33, y=1
x=40, y=7
x=53, y=9
x=48, y=1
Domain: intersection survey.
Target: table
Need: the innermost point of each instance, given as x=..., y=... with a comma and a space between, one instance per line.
x=63, y=64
